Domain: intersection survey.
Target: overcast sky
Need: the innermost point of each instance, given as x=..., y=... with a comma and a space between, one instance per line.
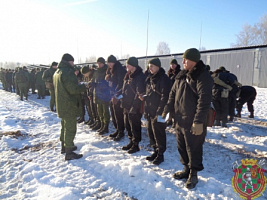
x=40, y=32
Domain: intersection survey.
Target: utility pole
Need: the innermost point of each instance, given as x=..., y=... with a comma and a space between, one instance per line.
x=147, y=35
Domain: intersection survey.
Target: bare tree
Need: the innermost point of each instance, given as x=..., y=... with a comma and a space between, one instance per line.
x=163, y=48
x=252, y=35
x=90, y=59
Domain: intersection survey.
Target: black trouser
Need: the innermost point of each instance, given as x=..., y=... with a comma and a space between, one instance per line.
x=117, y=116
x=249, y=100
x=190, y=147
x=157, y=135
x=92, y=110
x=83, y=107
x=132, y=124
x=232, y=104
x=221, y=106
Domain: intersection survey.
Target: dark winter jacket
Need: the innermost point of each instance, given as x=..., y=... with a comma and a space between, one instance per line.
x=173, y=73
x=133, y=86
x=101, y=88
x=217, y=89
x=247, y=91
x=158, y=87
x=190, y=96
x=115, y=77
x=67, y=91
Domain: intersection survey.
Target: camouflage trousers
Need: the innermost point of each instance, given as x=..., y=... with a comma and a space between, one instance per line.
x=68, y=131
x=23, y=90
x=103, y=112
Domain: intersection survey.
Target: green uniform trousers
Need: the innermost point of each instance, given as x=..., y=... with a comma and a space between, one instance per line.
x=103, y=112
x=52, y=98
x=41, y=90
x=23, y=90
x=68, y=131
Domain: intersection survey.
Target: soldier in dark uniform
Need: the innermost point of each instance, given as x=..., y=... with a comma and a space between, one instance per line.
x=175, y=68
x=190, y=97
x=133, y=88
x=247, y=95
x=158, y=86
x=114, y=75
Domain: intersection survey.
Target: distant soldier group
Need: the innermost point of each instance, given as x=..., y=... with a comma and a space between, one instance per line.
x=21, y=81
x=109, y=90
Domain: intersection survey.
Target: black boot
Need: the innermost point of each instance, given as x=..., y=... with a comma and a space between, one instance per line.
x=135, y=148
x=113, y=135
x=217, y=123
x=101, y=127
x=90, y=122
x=104, y=130
x=119, y=136
x=74, y=148
x=38, y=97
x=182, y=174
x=152, y=156
x=128, y=146
x=238, y=115
x=251, y=115
x=70, y=155
x=80, y=120
x=192, y=179
x=224, y=124
x=159, y=159
x=97, y=126
x=93, y=124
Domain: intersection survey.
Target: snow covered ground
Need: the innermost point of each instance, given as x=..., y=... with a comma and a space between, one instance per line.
x=31, y=166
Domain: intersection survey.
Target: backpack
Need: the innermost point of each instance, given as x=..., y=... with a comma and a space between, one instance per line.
x=21, y=78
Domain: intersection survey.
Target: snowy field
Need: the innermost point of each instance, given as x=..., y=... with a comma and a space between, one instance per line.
x=31, y=166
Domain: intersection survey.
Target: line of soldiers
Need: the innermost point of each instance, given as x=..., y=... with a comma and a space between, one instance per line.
x=22, y=81
x=130, y=93
x=126, y=93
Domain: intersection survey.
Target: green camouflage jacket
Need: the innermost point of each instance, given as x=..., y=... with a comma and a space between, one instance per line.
x=67, y=91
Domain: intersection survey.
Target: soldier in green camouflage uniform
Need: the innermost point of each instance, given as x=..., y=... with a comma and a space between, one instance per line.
x=40, y=84
x=22, y=79
x=32, y=80
x=68, y=104
x=48, y=78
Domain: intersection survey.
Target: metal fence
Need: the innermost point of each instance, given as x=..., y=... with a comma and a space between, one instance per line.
x=249, y=64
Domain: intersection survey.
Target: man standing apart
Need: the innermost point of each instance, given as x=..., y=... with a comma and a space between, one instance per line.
x=48, y=78
x=68, y=104
x=190, y=98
